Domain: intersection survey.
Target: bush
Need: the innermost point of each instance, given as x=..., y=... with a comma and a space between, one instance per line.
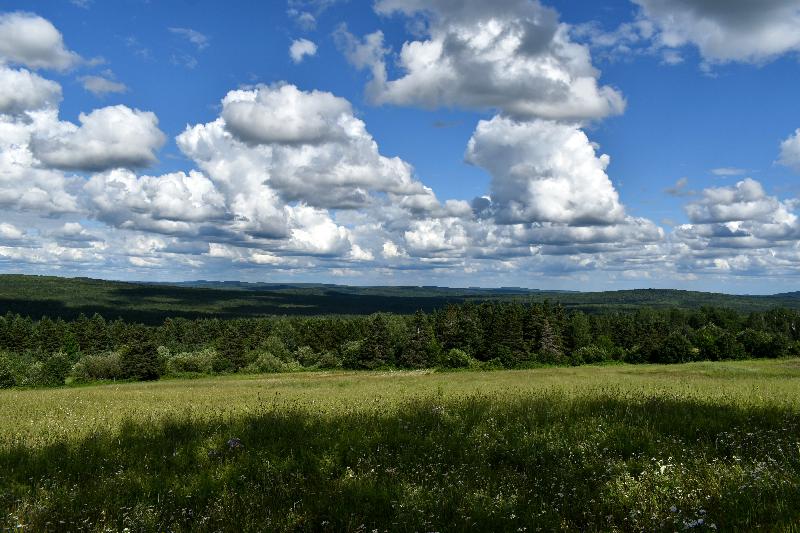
x=676, y=348
x=266, y=363
x=328, y=360
x=140, y=361
x=590, y=354
x=7, y=376
x=34, y=375
x=456, y=358
x=306, y=356
x=55, y=369
x=95, y=367
x=201, y=362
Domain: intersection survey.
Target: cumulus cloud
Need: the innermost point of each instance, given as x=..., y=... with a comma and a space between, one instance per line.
x=307, y=146
x=30, y=40
x=302, y=48
x=725, y=30
x=284, y=114
x=21, y=91
x=24, y=183
x=738, y=230
x=544, y=171
x=514, y=56
x=744, y=201
x=166, y=204
x=790, y=152
x=109, y=137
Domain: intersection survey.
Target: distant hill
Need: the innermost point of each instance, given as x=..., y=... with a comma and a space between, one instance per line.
x=153, y=302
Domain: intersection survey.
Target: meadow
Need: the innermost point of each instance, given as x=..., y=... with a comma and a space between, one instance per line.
x=699, y=446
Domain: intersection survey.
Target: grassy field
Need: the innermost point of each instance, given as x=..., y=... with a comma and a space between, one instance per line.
x=703, y=446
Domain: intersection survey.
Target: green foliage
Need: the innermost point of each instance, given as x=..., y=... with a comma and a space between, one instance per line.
x=455, y=358
x=515, y=334
x=55, y=369
x=140, y=361
x=201, y=362
x=675, y=348
x=106, y=366
x=590, y=354
x=8, y=377
x=268, y=363
x=421, y=349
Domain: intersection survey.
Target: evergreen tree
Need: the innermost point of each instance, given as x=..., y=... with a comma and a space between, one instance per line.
x=422, y=349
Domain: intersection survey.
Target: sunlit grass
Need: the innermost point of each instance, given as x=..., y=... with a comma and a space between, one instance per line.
x=593, y=448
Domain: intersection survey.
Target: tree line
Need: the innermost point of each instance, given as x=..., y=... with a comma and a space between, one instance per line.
x=478, y=335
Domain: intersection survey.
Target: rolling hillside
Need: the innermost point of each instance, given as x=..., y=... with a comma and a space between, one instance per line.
x=151, y=303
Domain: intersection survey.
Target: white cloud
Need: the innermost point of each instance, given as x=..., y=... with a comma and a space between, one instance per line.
x=544, y=171
x=790, y=152
x=109, y=137
x=307, y=146
x=728, y=171
x=9, y=232
x=169, y=204
x=198, y=39
x=22, y=91
x=29, y=40
x=102, y=85
x=515, y=57
x=284, y=114
x=302, y=48
x=727, y=30
x=744, y=201
x=740, y=231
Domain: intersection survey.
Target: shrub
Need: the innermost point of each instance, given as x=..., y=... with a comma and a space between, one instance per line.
x=455, y=358
x=329, y=360
x=306, y=356
x=34, y=375
x=590, y=354
x=200, y=362
x=675, y=348
x=7, y=376
x=266, y=363
x=55, y=369
x=94, y=367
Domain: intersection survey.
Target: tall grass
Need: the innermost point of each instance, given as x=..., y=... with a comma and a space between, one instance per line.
x=702, y=447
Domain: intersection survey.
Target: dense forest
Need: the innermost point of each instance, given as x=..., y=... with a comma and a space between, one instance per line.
x=475, y=335
x=151, y=303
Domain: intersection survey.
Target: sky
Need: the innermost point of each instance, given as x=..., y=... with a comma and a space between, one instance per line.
x=552, y=145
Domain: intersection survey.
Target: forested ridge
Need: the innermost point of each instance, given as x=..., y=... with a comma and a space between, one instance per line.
x=476, y=335
x=153, y=303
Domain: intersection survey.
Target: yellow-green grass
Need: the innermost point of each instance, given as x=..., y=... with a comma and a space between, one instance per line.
x=588, y=448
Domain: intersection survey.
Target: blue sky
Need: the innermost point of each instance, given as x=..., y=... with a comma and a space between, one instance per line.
x=362, y=161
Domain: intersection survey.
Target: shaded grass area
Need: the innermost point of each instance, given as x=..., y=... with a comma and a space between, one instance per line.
x=593, y=449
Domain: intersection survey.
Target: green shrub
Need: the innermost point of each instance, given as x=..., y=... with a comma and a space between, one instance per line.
x=306, y=356
x=455, y=358
x=590, y=354
x=7, y=376
x=329, y=360
x=34, y=375
x=95, y=367
x=201, y=362
x=55, y=369
x=266, y=363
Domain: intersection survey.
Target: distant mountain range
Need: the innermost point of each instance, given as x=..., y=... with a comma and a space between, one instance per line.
x=153, y=302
